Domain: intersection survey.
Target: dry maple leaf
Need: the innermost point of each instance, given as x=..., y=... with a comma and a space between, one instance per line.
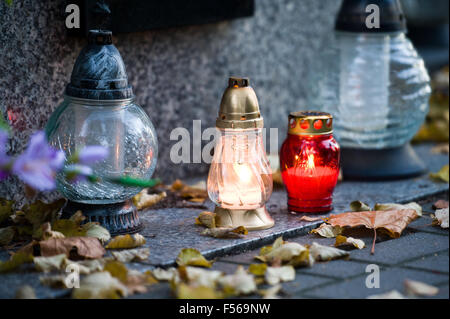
x=393, y=221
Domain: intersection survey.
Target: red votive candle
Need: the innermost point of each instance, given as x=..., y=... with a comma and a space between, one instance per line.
x=309, y=162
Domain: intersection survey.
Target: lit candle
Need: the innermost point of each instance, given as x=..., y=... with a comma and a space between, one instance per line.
x=309, y=162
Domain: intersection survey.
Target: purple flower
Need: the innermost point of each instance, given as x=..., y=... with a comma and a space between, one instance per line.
x=77, y=173
x=38, y=165
x=5, y=160
x=92, y=154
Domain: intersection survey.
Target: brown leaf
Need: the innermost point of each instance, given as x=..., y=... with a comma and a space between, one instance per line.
x=223, y=232
x=309, y=219
x=393, y=221
x=440, y=204
x=195, y=193
x=207, y=219
x=126, y=241
x=75, y=247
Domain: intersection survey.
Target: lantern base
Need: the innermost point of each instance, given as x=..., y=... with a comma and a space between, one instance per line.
x=310, y=206
x=252, y=219
x=383, y=164
x=118, y=218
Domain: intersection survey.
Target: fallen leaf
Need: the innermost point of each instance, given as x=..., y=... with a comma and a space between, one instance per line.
x=192, y=257
x=190, y=193
x=184, y=291
x=441, y=149
x=16, y=260
x=39, y=212
x=126, y=241
x=145, y=200
x=6, y=235
x=239, y=283
x=223, y=232
x=85, y=247
x=358, y=206
x=417, y=288
x=138, y=282
x=48, y=233
x=100, y=285
x=207, y=219
x=88, y=266
x=440, y=204
x=137, y=254
x=284, y=253
x=47, y=264
x=392, y=221
x=442, y=175
x=393, y=206
x=309, y=219
x=117, y=270
x=165, y=274
x=270, y=293
x=393, y=294
x=349, y=241
x=327, y=231
x=325, y=253
x=440, y=217
x=25, y=292
x=275, y=275
x=201, y=277
x=95, y=230
x=257, y=269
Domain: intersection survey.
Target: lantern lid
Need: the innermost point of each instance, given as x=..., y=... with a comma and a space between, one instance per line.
x=239, y=107
x=99, y=72
x=310, y=123
x=352, y=16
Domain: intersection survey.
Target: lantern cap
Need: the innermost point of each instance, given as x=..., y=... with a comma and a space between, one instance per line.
x=239, y=108
x=99, y=72
x=310, y=123
x=352, y=16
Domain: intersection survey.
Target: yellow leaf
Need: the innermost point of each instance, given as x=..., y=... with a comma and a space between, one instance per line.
x=201, y=277
x=442, y=175
x=15, y=261
x=97, y=231
x=224, y=232
x=126, y=241
x=275, y=275
x=117, y=270
x=192, y=257
x=358, y=206
x=346, y=241
x=184, y=291
x=207, y=219
x=145, y=200
x=327, y=231
x=257, y=269
x=239, y=283
x=100, y=285
x=393, y=206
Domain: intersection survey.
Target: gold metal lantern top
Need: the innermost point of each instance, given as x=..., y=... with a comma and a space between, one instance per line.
x=239, y=108
x=310, y=123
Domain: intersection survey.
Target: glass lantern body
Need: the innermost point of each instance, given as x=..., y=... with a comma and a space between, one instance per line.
x=240, y=177
x=375, y=85
x=309, y=167
x=119, y=125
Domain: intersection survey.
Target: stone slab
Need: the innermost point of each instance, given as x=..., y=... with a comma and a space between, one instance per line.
x=169, y=230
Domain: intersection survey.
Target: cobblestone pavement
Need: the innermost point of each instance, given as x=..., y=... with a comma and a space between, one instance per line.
x=421, y=254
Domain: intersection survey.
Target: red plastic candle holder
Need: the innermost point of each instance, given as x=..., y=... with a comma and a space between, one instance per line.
x=309, y=162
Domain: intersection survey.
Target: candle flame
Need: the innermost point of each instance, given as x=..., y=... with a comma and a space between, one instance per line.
x=244, y=172
x=310, y=163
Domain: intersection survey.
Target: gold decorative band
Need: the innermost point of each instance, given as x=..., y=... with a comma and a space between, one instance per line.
x=310, y=123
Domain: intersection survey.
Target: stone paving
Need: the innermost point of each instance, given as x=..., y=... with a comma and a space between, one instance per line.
x=421, y=253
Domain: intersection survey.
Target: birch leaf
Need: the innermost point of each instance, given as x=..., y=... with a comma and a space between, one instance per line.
x=100, y=285
x=440, y=217
x=257, y=269
x=137, y=254
x=6, y=235
x=165, y=275
x=126, y=241
x=393, y=206
x=47, y=264
x=224, y=232
x=284, y=253
x=358, y=206
x=202, y=277
x=275, y=275
x=207, y=219
x=239, y=283
x=192, y=257
x=88, y=266
x=442, y=175
x=184, y=291
x=325, y=253
x=270, y=293
x=349, y=241
x=95, y=230
x=417, y=288
x=145, y=200
x=327, y=231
